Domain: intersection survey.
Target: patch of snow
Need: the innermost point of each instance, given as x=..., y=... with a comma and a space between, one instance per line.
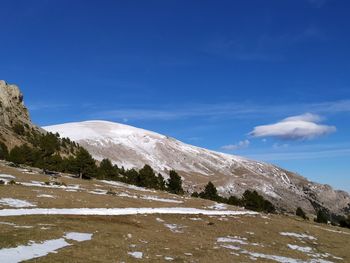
x=123, y=185
x=7, y=176
x=166, y=200
x=301, y=249
x=232, y=240
x=218, y=206
x=78, y=236
x=120, y=211
x=46, y=196
x=231, y=247
x=136, y=254
x=35, y=250
x=168, y=258
x=196, y=219
x=98, y=192
x=15, y=203
x=7, y=223
x=41, y=184
x=175, y=228
x=299, y=236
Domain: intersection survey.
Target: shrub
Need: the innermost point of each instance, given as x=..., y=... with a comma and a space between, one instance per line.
x=12, y=182
x=18, y=128
x=322, y=217
x=253, y=201
x=195, y=194
x=3, y=151
x=345, y=222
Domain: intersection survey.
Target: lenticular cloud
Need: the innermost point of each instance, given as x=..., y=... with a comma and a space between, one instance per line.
x=305, y=126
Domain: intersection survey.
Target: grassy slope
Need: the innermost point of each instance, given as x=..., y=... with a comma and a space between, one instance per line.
x=115, y=236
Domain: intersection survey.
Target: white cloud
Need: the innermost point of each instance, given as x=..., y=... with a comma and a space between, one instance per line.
x=299, y=127
x=239, y=145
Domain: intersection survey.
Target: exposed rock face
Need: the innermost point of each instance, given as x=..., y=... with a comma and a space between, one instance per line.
x=132, y=148
x=14, y=116
x=12, y=109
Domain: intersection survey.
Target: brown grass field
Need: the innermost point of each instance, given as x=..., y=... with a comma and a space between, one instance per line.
x=160, y=238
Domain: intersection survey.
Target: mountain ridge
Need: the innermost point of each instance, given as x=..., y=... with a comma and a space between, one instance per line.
x=133, y=147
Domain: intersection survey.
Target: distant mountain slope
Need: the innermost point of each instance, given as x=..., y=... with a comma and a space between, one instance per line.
x=133, y=147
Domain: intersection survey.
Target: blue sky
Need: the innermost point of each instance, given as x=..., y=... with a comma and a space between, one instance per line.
x=210, y=73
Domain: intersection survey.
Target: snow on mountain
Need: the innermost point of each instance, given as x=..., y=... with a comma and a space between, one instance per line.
x=133, y=147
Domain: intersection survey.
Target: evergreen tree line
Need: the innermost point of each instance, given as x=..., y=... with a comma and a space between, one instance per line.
x=44, y=151
x=45, y=154
x=250, y=200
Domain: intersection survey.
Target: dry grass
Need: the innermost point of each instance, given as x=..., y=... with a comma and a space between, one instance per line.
x=115, y=236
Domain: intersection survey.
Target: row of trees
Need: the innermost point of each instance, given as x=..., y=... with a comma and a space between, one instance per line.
x=45, y=154
x=45, y=150
x=250, y=200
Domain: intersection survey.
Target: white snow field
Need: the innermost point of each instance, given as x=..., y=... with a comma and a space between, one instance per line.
x=120, y=211
x=15, y=202
x=36, y=250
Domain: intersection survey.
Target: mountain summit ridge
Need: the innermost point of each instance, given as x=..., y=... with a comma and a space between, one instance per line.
x=133, y=147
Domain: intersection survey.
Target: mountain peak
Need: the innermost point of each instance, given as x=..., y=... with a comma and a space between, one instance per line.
x=133, y=147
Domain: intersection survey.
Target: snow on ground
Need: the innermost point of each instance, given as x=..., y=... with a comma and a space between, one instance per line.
x=299, y=236
x=235, y=239
x=175, y=228
x=36, y=250
x=98, y=192
x=7, y=176
x=41, y=184
x=299, y=248
x=46, y=196
x=119, y=211
x=129, y=186
x=15, y=203
x=78, y=236
x=136, y=254
x=226, y=242
x=218, y=206
x=166, y=200
x=151, y=198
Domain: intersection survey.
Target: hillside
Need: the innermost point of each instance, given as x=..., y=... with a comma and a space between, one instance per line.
x=132, y=147
x=70, y=220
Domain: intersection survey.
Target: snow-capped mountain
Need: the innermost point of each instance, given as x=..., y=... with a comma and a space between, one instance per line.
x=133, y=148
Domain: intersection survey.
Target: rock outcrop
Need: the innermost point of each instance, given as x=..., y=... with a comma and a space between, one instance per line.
x=12, y=109
x=15, y=122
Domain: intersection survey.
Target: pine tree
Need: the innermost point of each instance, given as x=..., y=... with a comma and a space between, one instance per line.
x=161, y=182
x=106, y=170
x=233, y=200
x=174, y=184
x=210, y=192
x=85, y=164
x=147, y=177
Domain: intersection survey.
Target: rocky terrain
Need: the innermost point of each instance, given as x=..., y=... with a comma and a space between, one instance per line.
x=14, y=116
x=133, y=147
